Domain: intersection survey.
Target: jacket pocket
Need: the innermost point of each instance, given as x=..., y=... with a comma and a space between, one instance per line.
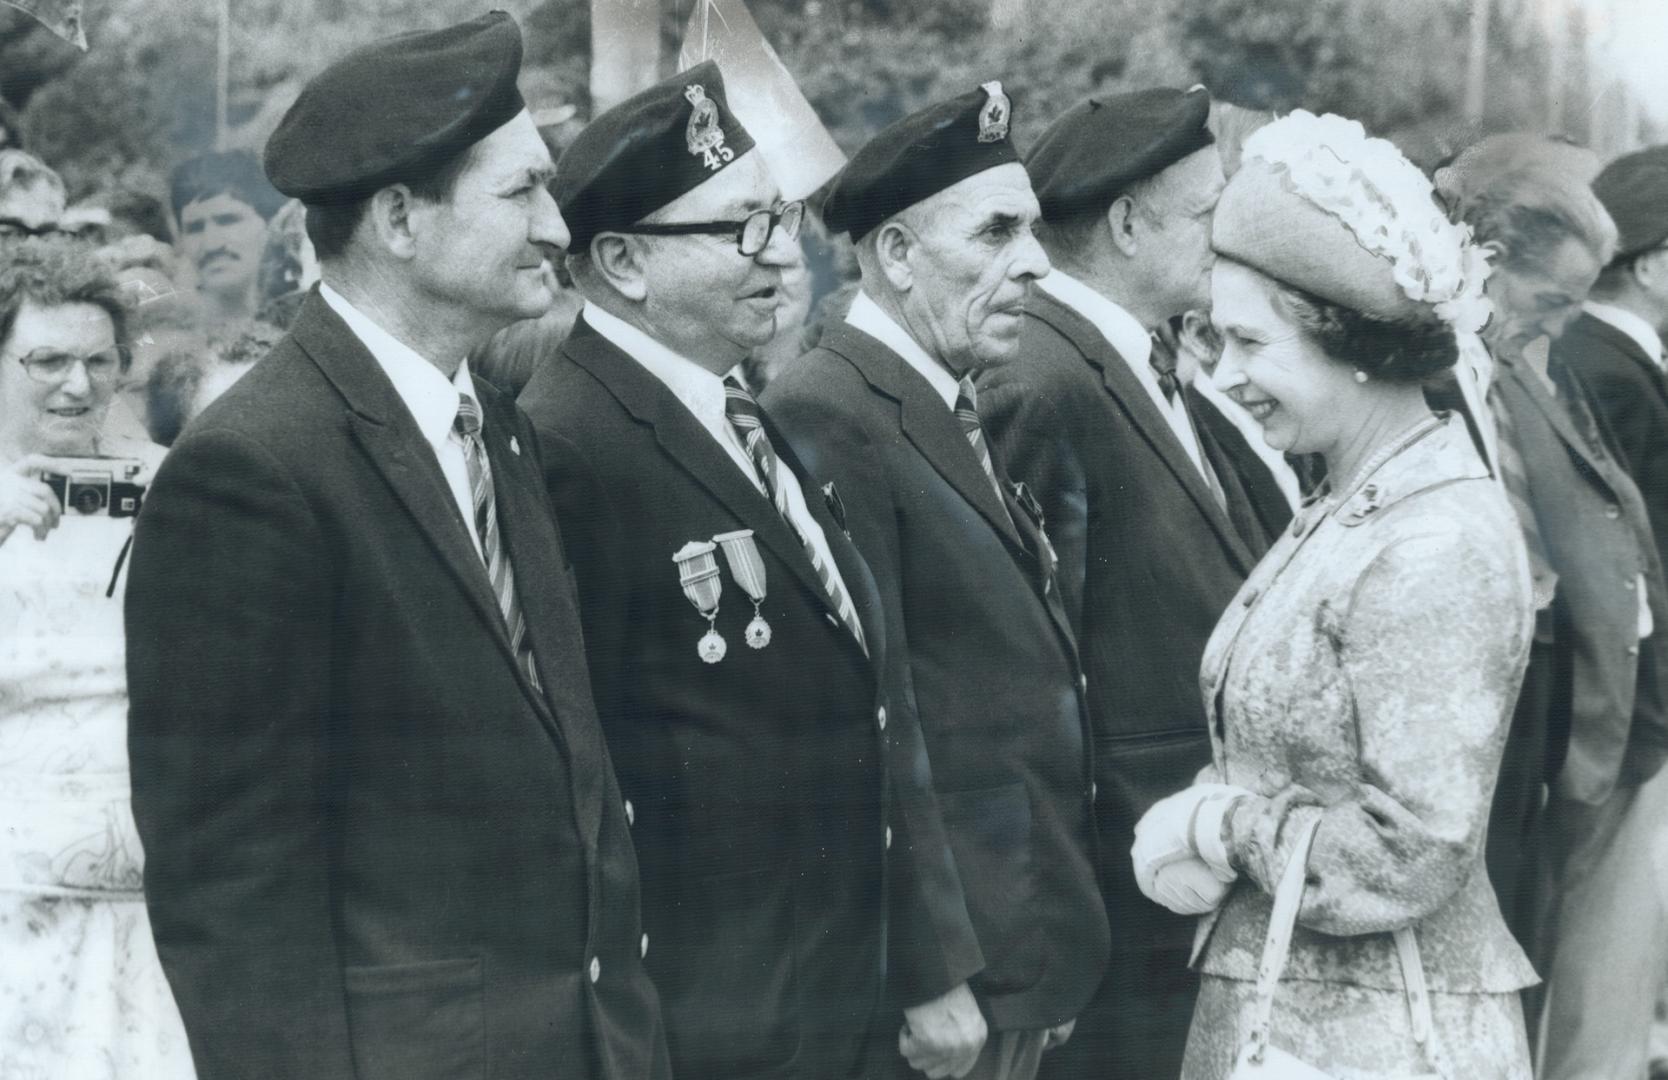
x=990, y=835
x=418, y=1021
x=725, y=967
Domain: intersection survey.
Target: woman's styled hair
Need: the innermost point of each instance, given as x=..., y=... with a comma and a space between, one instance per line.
x=53, y=273
x=1389, y=350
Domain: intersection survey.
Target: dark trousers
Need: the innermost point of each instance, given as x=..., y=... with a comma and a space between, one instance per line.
x=1136, y=1026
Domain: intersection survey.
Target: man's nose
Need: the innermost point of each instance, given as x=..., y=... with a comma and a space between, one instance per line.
x=549, y=227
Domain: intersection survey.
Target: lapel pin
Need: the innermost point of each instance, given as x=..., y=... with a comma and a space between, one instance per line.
x=515, y=447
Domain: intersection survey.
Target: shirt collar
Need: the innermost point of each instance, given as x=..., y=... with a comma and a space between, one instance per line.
x=701, y=392
x=867, y=316
x=431, y=398
x=1117, y=326
x=1631, y=325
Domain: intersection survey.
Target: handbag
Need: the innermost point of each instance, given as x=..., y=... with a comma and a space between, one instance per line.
x=1261, y=1060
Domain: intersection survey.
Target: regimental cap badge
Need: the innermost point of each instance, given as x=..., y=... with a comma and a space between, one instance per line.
x=705, y=135
x=993, y=118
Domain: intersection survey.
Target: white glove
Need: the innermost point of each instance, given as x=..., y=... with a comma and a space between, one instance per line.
x=1169, y=868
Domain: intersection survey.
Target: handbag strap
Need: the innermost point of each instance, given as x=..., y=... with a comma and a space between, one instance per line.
x=1288, y=898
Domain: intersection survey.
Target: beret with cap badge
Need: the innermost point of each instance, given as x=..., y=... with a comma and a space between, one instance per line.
x=394, y=109
x=1634, y=188
x=1096, y=149
x=919, y=156
x=646, y=151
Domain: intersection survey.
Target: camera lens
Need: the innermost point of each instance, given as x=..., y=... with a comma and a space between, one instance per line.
x=86, y=499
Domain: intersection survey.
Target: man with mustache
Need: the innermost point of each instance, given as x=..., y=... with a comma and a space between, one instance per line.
x=1155, y=533
x=982, y=656
x=734, y=632
x=383, y=833
x=222, y=202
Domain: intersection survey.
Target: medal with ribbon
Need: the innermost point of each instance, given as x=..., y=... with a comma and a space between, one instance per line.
x=698, y=574
x=747, y=567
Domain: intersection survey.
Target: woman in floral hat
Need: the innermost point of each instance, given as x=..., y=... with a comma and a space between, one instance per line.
x=1361, y=685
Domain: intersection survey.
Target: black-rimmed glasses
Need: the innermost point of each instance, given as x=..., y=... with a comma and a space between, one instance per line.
x=52, y=366
x=752, y=233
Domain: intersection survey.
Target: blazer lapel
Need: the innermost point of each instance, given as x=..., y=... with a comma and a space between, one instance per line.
x=692, y=447
x=1623, y=343
x=1529, y=385
x=388, y=435
x=1132, y=397
x=927, y=423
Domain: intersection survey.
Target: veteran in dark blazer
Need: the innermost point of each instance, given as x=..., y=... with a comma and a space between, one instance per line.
x=383, y=835
x=981, y=650
x=734, y=633
x=1615, y=347
x=1153, y=523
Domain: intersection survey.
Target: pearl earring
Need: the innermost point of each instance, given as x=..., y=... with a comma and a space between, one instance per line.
x=1360, y=376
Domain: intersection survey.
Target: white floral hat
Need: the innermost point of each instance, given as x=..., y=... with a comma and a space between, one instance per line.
x=1320, y=205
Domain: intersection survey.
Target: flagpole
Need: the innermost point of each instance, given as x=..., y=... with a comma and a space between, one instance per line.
x=222, y=74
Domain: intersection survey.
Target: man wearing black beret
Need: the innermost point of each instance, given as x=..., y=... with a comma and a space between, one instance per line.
x=1615, y=346
x=1154, y=533
x=734, y=632
x=982, y=656
x=382, y=831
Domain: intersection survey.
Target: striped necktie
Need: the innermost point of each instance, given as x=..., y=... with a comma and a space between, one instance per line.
x=742, y=411
x=967, y=413
x=467, y=428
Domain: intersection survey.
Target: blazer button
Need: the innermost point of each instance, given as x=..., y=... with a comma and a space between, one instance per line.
x=888, y=838
x=631, y=813
x=596, y=969
x=880, y=717
x=833, y=620
x=1627, y=583
x=1612, y=511
x=643, y=946
x=1083, y=683
x=1094, y=791
x=1633, y=650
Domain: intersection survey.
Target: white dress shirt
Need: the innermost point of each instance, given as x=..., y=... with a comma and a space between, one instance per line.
x=1135, y=345
x=702, y=393
x=867, y=316
x=431, y=399
x=1630, y=324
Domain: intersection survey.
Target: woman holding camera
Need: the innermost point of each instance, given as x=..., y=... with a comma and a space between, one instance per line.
x=81, y=991
x=1361, y=685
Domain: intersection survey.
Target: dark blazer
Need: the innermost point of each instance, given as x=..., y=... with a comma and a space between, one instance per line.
x=982, y=659
x=1148, y=560
x=1598, y=539
x=373, y=848
x=1631, y=395
x=758, y=782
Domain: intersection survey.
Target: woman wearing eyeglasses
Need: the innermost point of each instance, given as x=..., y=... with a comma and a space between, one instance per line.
x=81, y=992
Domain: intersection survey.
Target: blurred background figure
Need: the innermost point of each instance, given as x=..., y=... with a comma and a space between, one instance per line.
x=510, y=357
x=32, y=197
x=288, y=266
x=222, y=202
x=1569, y=838
x=229, y=359
x=772, y=358
x=11, y=127
x=81, y=990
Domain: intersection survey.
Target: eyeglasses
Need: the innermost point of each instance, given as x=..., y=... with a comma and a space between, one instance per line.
x=12, y=228
x=51, y=366
x=752, y=233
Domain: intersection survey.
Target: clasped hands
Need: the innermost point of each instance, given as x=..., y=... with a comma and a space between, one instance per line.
x=1180, y=858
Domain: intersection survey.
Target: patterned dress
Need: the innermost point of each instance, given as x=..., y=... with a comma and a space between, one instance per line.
x=1366, y=675
x=82, y=995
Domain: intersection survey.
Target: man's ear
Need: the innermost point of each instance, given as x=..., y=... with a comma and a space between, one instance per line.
x=1120, y=220
x=390, y=215
x=621, y=264
x=895, y=242
x=1650, y=270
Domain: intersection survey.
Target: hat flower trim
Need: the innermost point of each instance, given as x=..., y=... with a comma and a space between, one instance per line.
x=1387, y=203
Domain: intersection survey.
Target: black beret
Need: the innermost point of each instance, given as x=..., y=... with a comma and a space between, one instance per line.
x=1634, y=188
x=1096, y=149
x=647, y=151
x=919, y=156
x=394, y=109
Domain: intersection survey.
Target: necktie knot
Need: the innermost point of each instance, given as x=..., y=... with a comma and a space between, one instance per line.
x=468, y=419
x=1163, y=362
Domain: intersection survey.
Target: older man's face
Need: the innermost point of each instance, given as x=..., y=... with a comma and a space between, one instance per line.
x=1542, y=299
x=491, y=248
x=972, y=266
x=704, y=295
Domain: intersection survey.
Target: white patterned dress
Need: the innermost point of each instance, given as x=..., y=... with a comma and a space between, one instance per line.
x=82, y=995
x=1366, y=675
